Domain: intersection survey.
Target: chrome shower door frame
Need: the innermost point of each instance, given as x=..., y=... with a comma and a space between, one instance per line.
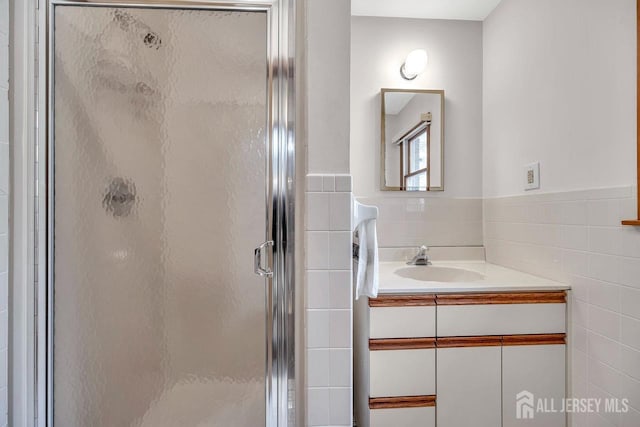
x=280, y=378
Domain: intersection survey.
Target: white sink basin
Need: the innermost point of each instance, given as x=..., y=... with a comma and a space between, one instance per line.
x=430, y=273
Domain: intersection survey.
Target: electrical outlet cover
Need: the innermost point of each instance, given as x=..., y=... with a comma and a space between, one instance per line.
x=532, y=176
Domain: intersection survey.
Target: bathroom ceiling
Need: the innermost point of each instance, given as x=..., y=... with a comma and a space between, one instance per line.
x=469, y=10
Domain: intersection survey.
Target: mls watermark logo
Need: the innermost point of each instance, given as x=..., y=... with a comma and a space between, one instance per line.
x=527, y=405
x=524, y=405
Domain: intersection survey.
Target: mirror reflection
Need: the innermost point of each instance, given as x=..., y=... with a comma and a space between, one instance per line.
x=412, y=140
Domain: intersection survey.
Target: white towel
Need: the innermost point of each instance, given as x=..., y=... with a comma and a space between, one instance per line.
x=367, y=275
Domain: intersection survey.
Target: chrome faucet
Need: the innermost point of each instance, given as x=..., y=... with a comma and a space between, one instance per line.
x=421, y=257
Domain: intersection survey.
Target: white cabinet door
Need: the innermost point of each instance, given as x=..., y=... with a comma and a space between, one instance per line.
x=540, y=371
x=469, y=389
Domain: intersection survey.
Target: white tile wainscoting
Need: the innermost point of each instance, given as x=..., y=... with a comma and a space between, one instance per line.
x=328, y=299
x=432, y=221
x=576, y=237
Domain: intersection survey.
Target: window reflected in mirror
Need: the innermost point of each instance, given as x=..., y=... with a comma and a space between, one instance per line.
x=415, y=150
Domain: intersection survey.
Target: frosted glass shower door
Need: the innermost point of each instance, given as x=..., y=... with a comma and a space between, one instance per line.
x=159, y=161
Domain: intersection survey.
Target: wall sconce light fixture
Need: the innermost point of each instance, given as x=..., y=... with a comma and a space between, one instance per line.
x=415, y=64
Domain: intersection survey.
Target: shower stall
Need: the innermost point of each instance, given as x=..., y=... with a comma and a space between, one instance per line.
x=167, y=236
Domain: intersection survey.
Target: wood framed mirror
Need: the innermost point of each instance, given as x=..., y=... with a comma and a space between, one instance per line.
x=636, y=221
x=412, y=140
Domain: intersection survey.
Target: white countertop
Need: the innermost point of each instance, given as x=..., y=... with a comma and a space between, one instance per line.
x=496, y=278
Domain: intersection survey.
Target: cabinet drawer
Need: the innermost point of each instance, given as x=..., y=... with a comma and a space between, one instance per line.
x=501, y=319
x=402, y=372
x=403, y=417
x=402, y=322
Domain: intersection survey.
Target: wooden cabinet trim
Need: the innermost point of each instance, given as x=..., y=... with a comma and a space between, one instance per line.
x=402, y=402
x=401, y=343
x=481, y=341
x=555, y=297
x=378, y=344
x=540, y=339
x=403, y=300
x=497, y=340
x=417, y=300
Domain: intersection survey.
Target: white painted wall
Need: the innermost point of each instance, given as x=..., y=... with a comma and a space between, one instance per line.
x=4, y=207
x=327, y=85
x=378, y=48
x=559, y=88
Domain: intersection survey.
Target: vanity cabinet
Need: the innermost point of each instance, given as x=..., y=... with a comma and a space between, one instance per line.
x=455, y=360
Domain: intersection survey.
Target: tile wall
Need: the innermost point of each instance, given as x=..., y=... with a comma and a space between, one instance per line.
x=431, y=221
x=328, y=299
x=576, y=237
x=4, y=204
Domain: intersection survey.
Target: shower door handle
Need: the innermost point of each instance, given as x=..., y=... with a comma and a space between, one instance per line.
x=257, y=260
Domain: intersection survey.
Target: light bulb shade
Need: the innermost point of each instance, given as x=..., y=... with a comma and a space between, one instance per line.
x=415, y=64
